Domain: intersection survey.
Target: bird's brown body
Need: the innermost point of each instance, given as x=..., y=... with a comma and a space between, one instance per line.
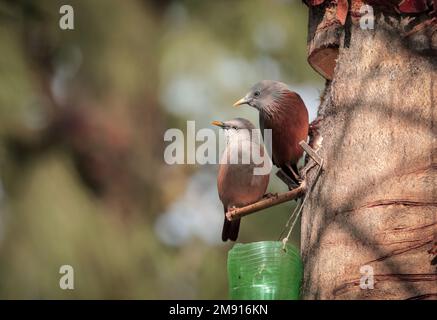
x=289, y=124
x=237, y=184
x=238, y=187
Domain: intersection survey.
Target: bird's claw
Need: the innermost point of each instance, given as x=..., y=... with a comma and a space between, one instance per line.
x=229, y=212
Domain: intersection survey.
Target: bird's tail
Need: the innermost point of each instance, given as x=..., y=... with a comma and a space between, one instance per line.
x=230, y=230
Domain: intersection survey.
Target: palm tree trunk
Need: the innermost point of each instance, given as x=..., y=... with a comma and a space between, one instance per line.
x=375, y=204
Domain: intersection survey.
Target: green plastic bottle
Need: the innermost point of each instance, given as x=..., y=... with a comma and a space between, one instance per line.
x=264, y=271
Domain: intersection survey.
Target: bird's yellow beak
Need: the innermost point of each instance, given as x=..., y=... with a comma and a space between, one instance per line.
x=218, y=124
x=240, y=102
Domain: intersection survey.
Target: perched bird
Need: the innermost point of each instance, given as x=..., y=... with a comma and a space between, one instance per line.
x=237, y=184
x=284, y=112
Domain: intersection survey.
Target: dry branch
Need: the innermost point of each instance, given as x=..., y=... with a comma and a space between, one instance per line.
x=266, y=203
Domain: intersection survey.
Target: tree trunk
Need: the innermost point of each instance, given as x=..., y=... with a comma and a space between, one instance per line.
x=375, y=203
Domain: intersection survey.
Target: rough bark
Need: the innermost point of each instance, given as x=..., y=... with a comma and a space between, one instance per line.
x=375, y=203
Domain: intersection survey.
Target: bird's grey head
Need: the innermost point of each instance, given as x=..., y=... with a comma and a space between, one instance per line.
x=263, y=94
x=235, y=124
x=238, y=128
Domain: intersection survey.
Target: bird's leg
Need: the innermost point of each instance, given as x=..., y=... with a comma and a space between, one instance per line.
x=295, y=174
x=287, y=180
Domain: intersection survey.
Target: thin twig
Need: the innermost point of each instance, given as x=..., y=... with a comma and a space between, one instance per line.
x=266, y=203
x=296, y=215
x=290, y=218
x=311, y=152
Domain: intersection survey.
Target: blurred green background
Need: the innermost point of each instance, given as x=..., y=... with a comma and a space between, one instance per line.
x=82, y=118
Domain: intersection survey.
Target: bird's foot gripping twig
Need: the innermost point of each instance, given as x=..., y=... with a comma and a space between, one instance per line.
x=230, y=212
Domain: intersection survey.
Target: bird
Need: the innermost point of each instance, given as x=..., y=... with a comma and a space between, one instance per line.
x=237, y=183
x=284, y=112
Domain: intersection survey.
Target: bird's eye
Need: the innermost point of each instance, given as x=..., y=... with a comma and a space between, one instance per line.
x=256, y=94
x=234, y=128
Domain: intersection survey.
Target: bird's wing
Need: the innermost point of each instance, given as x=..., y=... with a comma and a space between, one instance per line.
x=261, y=124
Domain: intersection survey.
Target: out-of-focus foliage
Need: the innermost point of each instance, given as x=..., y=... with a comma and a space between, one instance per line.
x=82, y=117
